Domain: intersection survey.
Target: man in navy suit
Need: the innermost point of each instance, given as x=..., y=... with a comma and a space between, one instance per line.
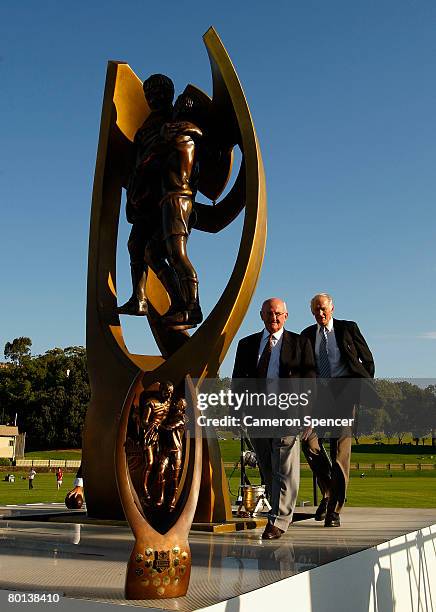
x=276, y=353
x=340, y=352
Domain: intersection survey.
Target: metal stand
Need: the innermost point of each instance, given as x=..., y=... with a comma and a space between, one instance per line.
x=251, y=499
x=244, y=480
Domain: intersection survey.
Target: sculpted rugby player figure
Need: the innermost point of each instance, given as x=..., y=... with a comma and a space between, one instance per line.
x=144, y=194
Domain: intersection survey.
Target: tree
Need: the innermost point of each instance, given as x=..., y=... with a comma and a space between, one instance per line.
x=18, y=350
x=397, y=422
x=50, y=393
x=430, y=399
x=413, y=408
x=383, y=418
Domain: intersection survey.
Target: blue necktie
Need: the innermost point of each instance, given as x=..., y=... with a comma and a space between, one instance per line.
x=323, y=357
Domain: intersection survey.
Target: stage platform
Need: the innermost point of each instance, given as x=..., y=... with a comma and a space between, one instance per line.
x=365, y=563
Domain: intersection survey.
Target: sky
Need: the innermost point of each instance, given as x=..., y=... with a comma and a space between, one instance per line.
x=343, y=98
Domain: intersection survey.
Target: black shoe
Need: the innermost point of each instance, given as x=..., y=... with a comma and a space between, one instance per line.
x=332, y=520
x=321, y=512
x=272, y=533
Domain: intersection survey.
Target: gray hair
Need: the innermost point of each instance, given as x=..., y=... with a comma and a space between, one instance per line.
x=318, y=296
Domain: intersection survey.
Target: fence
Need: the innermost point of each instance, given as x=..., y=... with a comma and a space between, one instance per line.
x=65, y=463
x=373, y=466
x=75, y=463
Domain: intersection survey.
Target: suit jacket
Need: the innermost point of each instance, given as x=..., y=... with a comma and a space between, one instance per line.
x=352, y=346
x=296, y=357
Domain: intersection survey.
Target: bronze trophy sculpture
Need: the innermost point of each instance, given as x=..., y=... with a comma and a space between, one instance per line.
x=135, y=427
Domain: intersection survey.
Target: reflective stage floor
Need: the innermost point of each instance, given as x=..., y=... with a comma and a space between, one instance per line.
x=88, y=561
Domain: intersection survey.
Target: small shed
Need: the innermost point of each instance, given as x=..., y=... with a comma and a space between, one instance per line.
x=8, y=441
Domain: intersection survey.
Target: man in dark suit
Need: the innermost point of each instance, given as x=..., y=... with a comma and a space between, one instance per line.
x=276, y=353
x=340, y=352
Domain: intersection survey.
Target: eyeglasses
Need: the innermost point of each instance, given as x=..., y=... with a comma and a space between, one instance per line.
x=276, y=315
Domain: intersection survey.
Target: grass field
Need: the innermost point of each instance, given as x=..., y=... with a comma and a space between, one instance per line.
x=361, y=453
x=55, y=454
x=378, y=488
x=44, y=490
x=393, y=453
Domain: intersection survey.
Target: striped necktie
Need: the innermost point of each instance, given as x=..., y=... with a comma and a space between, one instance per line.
x=262, y=366
x=323, y=357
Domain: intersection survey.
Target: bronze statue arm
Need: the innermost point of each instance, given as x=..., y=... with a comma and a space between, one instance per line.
x=213, y=219
x=148, y=409
x=174, y=423
x=180, y=128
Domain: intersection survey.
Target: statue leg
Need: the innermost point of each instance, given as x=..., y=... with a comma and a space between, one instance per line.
x=137, y=303
x=155, y=258
x=160, y=482
x=190, y=291
x=176, y=476
x=149, y=462
x=178, y=257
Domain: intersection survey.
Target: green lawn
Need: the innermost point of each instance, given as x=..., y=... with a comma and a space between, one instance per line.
x=392, y=453
x=55, y=454
x=397, y=489
x=361, y=453
x=44, y=490
x=378, y=488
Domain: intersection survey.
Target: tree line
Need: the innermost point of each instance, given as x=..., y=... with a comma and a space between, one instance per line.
x=407, y=409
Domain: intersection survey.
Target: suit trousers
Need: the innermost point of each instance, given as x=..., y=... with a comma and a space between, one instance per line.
x=332, y=481
x=279, y=464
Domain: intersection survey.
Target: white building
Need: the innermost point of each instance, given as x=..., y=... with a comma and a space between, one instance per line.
x=8, y=441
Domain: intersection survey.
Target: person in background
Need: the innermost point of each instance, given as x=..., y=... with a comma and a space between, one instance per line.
x=59, y=477
x=32, y=475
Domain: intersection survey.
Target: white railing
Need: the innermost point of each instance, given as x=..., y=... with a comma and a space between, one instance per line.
x=66, y=463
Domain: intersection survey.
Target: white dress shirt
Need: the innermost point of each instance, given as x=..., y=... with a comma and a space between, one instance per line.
x=274, y=362
x=337, y=365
